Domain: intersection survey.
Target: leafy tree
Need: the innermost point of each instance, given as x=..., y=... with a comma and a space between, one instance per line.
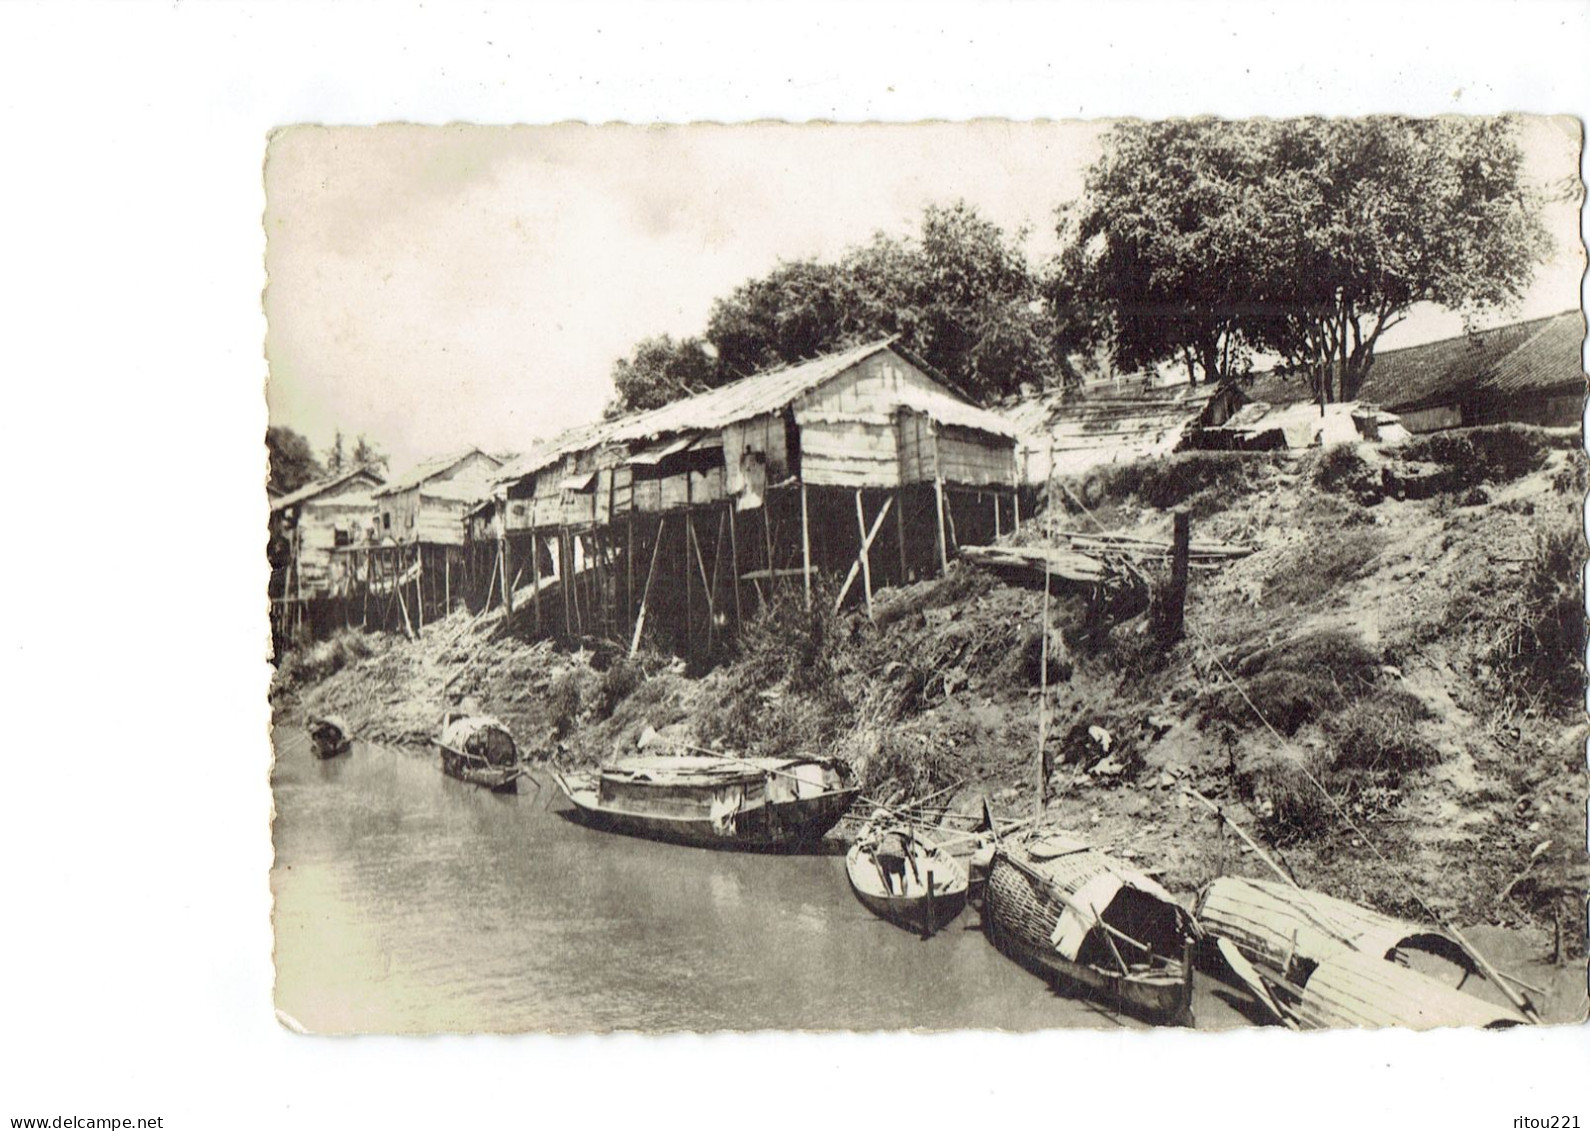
x=336, y=462
x=366, y=454
x=1368, y=217
x=662, y=370
x=960, y=294
x=1203, y=241
x=292, y=460
x=1159, y=257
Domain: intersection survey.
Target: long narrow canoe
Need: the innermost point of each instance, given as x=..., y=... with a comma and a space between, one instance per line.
x=1094, y=923
x=928, y=895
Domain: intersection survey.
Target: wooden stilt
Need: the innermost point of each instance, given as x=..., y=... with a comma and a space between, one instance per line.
x=651, y=572
x=860, y=563
x=629, y=565
x=938, y=495
x=949, y=522
x=565, y=584
x=419, y=586
x=767, y=539
x=997, y=531
x=806, y=547
x=583, y=618
x=447, y=582
x=712, y=589
x=734, y=564
x=507, y=572
x=535, y=575
x=899, y=533
x=1015, y=502
x=403, y=606
x=866, y=563
x=491, y=580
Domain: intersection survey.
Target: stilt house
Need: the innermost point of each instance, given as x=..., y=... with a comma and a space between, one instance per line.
x=861, y=466
x=307, y=526
x=409, y=570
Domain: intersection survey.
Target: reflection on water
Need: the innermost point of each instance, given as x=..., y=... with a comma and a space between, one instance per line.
x=407, y=901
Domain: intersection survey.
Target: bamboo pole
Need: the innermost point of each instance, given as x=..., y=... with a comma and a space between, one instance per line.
x=899, y=532
x=734, y=564
x=712, y=594
x=806, y=547
x=535, y=574
x=867, y=540
x=1043, y=696
x=651, y=572
x=565, y=582
x=866, y=564
x=1286, y=876
x=507, y=572
x=767, y=534
x=938, y=495
x=419, y=585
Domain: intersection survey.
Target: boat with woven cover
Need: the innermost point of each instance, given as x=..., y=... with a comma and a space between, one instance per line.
x=480, y=750
x=1097, y=924
x=715, y=801
x=900, y=874
x=330, y=736
x=1317, y=962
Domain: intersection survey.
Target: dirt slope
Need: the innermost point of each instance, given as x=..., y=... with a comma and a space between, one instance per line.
x=1412, y=656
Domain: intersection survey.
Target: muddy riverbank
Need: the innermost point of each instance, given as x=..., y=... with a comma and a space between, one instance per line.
x=1398, y=650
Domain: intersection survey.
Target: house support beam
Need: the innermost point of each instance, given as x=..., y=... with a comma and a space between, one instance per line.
x=863, y=562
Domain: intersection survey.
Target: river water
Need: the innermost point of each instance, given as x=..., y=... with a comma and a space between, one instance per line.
x=409, y=902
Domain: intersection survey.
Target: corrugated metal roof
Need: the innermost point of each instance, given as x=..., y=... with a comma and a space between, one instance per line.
x=429, y=469
x=1070, y=434
x=548, y=452
x=750, y=396
x=320, y=486
x=466, y=490
x=756, y=395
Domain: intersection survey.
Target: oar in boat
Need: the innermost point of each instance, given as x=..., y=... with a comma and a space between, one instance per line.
x=922, y=802
x=1249, y=977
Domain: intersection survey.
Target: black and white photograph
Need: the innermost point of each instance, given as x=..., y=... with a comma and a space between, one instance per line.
x=930, y=565
x=934, y=576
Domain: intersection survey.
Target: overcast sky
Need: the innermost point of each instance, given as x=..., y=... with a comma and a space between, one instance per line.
x=435, y=288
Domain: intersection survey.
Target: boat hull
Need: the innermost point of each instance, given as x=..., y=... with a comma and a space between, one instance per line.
x=498, y=779
x=329, y=738
x=1021, y=917
x=915, y=913
x=480, y=750
x=786, y=826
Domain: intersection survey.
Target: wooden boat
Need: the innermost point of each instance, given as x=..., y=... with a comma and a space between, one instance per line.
x=1095, y=923
x=928, y=894
x=480, y=750
x=330, y=736
x=1324, y=963
x=777, y=804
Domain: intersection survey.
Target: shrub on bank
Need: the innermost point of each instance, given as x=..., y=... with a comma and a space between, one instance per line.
x=1381, y=732
x=1314, y=568
x=1295, y=682
x=1495, y=453
x=315, y=662
x=1204, y=482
